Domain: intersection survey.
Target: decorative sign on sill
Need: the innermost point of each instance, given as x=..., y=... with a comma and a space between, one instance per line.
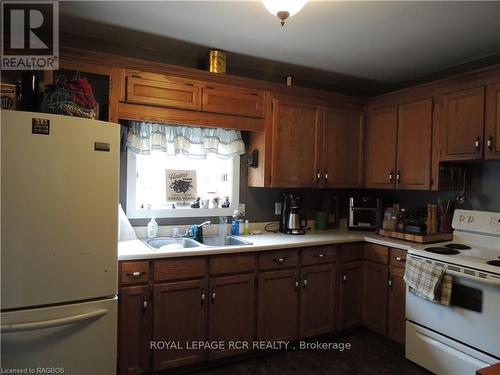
x=181, y=185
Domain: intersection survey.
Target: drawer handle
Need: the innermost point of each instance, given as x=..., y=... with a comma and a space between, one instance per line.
x=135, y=76
x=320, y=255
x=135, y=274
x=209, y=88
x=399, y=259
x=279, y=260
x=254, y=94
x=189, y=84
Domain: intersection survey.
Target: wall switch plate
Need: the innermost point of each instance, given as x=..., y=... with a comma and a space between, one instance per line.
x=277, y=208
x=242, y=209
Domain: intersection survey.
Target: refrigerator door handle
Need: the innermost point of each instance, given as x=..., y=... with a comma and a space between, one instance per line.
x=44, y=324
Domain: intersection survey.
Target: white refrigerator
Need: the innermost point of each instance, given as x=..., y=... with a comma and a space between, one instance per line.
x=59, y=215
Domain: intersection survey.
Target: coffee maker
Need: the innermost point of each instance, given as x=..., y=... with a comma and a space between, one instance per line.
x=292, y=220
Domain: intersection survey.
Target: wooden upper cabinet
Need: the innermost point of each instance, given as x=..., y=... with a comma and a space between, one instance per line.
x=414, y=146
x=295, y=148
x=381, y=140
x=232, y=100
x=492, y=132
x=160, y=90
x=463, y=125
x=342, y=148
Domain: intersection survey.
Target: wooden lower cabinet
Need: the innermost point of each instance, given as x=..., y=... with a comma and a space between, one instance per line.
x=135, y=320
x=375, y=280
x=317, y=299
x=278, y=305
x=351, y=295
x=231, y=312
x=180, y=315
x=396, y=305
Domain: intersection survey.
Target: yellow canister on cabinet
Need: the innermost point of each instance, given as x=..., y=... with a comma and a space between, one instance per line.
x=217, y=61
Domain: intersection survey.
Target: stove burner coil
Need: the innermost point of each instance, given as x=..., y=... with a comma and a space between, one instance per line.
x=457, y=246
x=442, y=250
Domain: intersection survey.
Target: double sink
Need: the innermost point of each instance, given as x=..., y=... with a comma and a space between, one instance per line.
x=170, y=243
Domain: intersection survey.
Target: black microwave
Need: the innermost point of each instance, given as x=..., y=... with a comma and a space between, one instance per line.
x=365, y=213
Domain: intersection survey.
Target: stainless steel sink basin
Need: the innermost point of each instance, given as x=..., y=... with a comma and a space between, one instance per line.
x=166, y=243
x=224, y=241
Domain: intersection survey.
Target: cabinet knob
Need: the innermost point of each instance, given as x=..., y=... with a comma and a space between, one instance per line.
x=326, y=175
x=145, y=303
x=390, y=282
x=399, y=259
x=296, y=284
x=391, y=175
x=318, y=176
x=203, y=296
x=344, y=278
x=477, y=143
x=213, y=295
x=398, y=176
x=304, y=283
x=489, y=143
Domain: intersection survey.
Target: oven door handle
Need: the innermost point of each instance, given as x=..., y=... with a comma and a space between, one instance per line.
x=489, y=281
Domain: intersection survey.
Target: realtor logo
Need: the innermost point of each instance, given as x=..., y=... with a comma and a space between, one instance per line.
x=30, y=35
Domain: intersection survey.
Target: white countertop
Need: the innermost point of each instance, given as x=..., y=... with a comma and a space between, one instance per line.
x=137, y=249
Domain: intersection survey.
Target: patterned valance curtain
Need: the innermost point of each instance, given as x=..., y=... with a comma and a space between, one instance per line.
x=193, y=142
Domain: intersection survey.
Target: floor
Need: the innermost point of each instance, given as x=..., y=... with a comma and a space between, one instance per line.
x=369, y=354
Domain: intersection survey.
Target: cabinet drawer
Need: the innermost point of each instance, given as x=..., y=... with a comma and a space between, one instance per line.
x=184, y=268
x=233, y=101
x=377, y=253
x=134, y=272
x=231, y=264
x=350, y=252
x=158, y=90
x=318, y=255
x=398, y=258
x=279, y=259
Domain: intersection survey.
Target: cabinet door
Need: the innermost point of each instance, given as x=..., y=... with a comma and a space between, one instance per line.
x=295, y=150
x=277, y=305
x=414, y=146
x=381, y=139
x=233, y=101
x=231, y=316
x=492, y=134
x=342, y=148
x=134, y=320
x=397, y=300
x=376, y=278
x=180, y=316
x=317, y=299
x=159, y=90
x=351, y=295
x=463, y=125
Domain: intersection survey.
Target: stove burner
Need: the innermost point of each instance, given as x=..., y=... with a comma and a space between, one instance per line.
x=442, y=250
x=494, y=262
x=457, y=246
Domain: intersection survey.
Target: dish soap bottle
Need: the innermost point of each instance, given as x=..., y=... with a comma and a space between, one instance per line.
x=152, y=228
x=235, y=224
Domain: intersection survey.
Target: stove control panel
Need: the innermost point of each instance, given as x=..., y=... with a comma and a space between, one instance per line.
x=477, y=221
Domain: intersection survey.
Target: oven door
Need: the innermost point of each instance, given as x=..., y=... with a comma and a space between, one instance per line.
x=473, y=318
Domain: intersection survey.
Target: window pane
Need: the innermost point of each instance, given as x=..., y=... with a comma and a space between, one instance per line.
x=214, y=178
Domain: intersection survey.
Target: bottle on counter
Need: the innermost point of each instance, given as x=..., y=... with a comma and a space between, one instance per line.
x=235, y=224
x=247, y=228
x=152, y=228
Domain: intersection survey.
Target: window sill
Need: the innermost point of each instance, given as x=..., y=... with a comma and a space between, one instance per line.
x=180, y=212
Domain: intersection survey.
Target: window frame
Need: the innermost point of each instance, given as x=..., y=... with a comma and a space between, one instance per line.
x=135, y=213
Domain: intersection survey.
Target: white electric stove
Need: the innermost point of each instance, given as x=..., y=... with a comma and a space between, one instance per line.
x=460, y=338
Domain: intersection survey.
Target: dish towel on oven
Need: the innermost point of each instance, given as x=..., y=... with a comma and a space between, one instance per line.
x=428, y=281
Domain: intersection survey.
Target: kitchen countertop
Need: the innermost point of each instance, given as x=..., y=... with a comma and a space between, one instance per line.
x=137, y=249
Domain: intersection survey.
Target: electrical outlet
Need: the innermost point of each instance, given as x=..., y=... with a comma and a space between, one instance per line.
x=242, y=209
x=277, y=208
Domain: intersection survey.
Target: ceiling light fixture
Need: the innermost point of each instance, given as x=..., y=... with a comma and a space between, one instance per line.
x=284, y=9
